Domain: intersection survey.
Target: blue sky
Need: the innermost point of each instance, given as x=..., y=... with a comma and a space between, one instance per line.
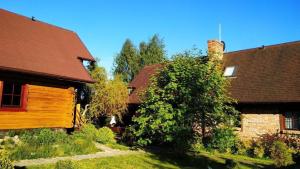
x=103, y=25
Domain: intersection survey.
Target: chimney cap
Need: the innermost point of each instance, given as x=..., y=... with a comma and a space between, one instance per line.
x=33, y=18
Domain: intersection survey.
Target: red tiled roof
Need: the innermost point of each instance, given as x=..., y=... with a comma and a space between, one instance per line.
x=141, y=82
x=39, y=48
x=263, y=75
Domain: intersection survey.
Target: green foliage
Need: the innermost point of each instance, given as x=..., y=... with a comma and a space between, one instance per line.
x=88, y=131
x=232, y=164
x=223, y=139
x=109, y=97
x=152, y=52
x=46, y=136
x=5, y=163
x=47, y=143
x=105, y=136
x=128, y=137
x=197, y=146
x=67, y=164
x=127, y=62
x=280, y=154
x=188, y=91
x=257, y=150
x=130, y=60
x=241, y=147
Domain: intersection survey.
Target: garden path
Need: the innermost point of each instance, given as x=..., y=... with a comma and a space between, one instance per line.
x=106, y=152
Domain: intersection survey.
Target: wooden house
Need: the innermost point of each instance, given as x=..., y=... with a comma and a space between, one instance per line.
x=41, y=67
x=265, y=81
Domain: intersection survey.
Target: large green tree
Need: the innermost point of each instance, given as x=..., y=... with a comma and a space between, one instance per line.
x=130, y=60
x=189, y=92
x=127, y=61
x=152, y=52
x=108, y=96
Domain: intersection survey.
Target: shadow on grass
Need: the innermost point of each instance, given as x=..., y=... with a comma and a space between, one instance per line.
x=202, y=160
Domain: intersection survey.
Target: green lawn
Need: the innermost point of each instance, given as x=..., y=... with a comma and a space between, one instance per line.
x=168, y=161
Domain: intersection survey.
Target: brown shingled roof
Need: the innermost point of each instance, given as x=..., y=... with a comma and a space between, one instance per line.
x=266, y=74
x=39, y=48
x=269, y=74
x=141, y=82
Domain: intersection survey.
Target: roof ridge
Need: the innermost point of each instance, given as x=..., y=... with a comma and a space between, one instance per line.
x=39, y=21
x=266, y=46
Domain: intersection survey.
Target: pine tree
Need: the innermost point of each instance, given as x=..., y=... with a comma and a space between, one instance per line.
x=152, y=52
x=126, y=63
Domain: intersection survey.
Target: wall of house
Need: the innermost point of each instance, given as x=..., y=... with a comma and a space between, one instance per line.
x=255, y=125
x=258, y=120
x=47, y=107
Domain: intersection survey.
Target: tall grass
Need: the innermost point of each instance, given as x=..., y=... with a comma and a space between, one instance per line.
x=47, y=143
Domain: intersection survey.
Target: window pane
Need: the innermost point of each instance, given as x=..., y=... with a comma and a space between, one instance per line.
x=229, y=71
x=297, y=122
x=6, y=100
x=7, y=88
x=16, y=101
x=17, y=89
x=288, y=120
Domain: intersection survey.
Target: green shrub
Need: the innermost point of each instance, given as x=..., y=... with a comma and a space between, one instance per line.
x=105, y=136
x=223, y=139
x=258, y=152
x=231, y=164
x=128, y=137
x=5, y=163
x=46, y=136
x=88, y=131
x=242, y=147
x=11, y=133
x=197, y=146
x=67, y=164
x=47, y=143
x=257, y=149
x=280, y=154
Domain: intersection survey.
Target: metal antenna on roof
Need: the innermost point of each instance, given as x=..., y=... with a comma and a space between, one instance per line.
x=220, y=33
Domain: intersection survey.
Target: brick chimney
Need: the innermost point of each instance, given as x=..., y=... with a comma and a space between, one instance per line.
x=215, y=50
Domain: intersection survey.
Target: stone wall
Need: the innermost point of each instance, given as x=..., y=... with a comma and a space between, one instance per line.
x=253, y=125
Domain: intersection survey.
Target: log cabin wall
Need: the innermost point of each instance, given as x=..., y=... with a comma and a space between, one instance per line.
x=47, y=107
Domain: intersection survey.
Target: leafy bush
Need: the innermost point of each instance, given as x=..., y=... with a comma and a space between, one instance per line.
x=291, y=141
x=47, y=143
x=280, y=154
x=45, y=136
x=5, y=163
x=67, y=164
x=223, y=139
x=88, y=131
x=105, y=136
x=231, y=164
x=197, y=146
x=242, y=147
x=128, y=137
x=258, y=151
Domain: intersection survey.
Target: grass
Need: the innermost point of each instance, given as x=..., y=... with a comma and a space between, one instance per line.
x=45, y=143
x=168, y=161
x=117, y=146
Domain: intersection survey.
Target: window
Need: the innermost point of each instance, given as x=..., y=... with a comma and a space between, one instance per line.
x=12, y=96
x=130, y=90
x=229, y=71
x=292, y=120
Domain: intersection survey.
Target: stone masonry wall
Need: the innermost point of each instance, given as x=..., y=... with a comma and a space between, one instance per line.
x=254, y=125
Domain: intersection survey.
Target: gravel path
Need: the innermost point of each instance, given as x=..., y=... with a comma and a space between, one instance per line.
x=106, y=152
